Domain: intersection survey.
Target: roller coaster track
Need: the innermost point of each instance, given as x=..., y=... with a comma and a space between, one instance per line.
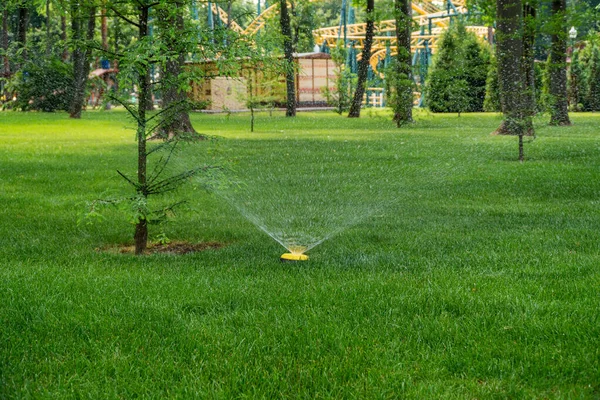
x=255, y=25
x=425, y=11
x=224, y=17
x=258, y=22
x=425, y=14
x=356, y=32
x=418, y=41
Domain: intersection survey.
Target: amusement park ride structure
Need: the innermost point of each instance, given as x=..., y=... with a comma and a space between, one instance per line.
x=431, y=16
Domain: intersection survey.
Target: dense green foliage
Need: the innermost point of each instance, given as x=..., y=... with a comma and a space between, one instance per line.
x=592, y=97
x=45, y=86
x=491, y=102
x=476, y=279
x=457, y=79
x=584, y=77
x=345, y=82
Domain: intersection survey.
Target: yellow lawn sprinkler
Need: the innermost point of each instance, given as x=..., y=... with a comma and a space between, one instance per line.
x=296, y=254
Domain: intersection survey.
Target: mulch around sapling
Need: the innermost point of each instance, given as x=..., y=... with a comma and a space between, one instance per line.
x=175, y=248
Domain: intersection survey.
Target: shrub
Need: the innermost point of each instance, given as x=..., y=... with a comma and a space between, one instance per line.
x=592, y=99
x=45, y=86
x=460, y=57
x=491, y=103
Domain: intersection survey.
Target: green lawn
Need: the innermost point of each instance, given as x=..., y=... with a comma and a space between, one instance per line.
x=460, y=273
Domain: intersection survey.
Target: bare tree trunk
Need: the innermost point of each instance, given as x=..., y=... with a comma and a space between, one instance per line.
x=509, y=53
x=104, y=30
x=403, y=80
x=48, y=39
x=557, y=67
x=363, y=65
x=529, y=99
x=81, y=62
x=149, y=104
x=4, y=42
x=63, y=37
x=177, y=122
x=23, y=24
x=141, y=228
x=104, y=38
x=290, y=68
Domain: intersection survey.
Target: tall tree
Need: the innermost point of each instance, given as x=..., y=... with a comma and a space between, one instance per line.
x=48, y=24
x=456, y=81
x=173, y=32
x=557, y=65
x=135, y=61
x=288, y=52
x=4, y=41
x=81, y=54
x=576, y=74
x=529, y=94
x=63, y=36
x=140, y=236
x=22, y=26
x=592, y=98
x=363, y=65
x=509, y=53
x=402, y=103
x=104, y=28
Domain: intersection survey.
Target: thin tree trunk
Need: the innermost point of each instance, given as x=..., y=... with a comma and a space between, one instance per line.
x=63, y=37
x=557, y=67
x=403, y=81
x=529, y=99
x=81, y=63
x=104, y=30
x=177, y=121
x=363, y=65
x=509, y=53
x=141, y=228
x=574, y=81
x=104, y=38
x=4, y=42
x=23, y=24
x=290, y=70
x=48, y=38
x=149, y=103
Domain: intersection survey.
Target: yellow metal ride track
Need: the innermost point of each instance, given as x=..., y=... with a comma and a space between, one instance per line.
x=424, y=11
x=425, y=14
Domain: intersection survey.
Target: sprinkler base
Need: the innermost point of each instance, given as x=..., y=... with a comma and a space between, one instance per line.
x=287, y=257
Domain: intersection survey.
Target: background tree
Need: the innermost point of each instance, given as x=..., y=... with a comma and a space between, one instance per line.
x=4, y=41
x=176, y=42
x=576, y=78
x=43, y=86
x=509, y=53
x=592, y=98
x=529, y=76
x=82, y=15
x=402, y=98
x=363, y=65
x=288, y=52
x=491, y=103
x=22, y=26
x=557, y=65
x=340, y=96
x=461, y=57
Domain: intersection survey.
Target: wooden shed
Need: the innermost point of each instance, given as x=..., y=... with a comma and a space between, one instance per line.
x=315, y=71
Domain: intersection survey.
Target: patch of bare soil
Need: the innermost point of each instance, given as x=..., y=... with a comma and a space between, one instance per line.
x=175, y=247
